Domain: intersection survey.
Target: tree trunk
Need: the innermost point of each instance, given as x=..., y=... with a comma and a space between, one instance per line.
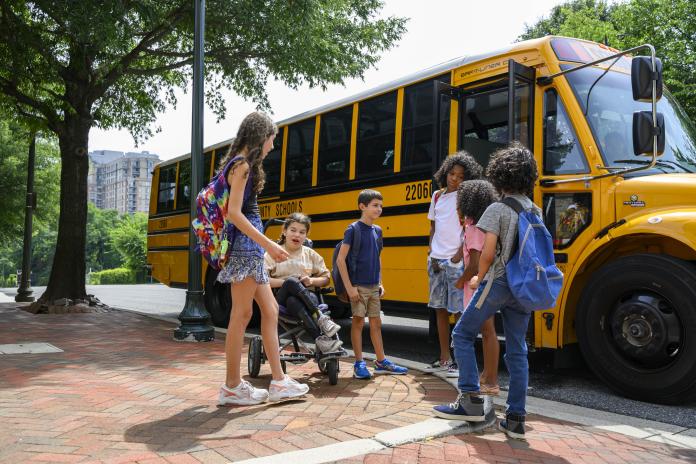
x=67, y=278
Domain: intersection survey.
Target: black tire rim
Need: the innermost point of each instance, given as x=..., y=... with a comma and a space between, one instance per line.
x=644, y=329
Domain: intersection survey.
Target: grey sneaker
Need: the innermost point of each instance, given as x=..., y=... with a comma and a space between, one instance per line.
x=286, y=389
x=327, y=326
x=467, y=407
x=327, y=345
x=512, y=426
x=437, y=366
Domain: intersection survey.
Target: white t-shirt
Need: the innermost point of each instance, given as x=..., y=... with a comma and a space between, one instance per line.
x=447, y=239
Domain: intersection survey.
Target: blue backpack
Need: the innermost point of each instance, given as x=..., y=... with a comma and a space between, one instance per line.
x=533, y=277
x=351, y=260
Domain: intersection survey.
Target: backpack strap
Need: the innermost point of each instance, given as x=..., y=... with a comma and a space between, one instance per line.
x=354, y=249
x=517, y=207
x=437, y=196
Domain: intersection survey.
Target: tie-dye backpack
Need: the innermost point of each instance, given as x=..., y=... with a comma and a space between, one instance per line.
x=214, y=232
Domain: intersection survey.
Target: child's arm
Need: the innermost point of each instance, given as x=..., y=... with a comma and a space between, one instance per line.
x=470, y=270
x=343, y=270
x=432, y=232
x=486, y=259
x=237, y=179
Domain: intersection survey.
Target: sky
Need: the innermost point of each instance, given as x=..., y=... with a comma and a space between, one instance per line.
x=437, y=31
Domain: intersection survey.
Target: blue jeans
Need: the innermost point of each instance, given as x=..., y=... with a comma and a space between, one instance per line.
x=515, y=322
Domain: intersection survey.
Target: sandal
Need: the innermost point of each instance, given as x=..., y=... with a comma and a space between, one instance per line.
x=489, y=390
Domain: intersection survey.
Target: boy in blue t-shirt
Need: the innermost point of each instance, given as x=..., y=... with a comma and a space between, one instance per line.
x=365, y=289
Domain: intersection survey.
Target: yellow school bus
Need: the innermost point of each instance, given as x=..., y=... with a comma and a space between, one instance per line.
x=624, y=226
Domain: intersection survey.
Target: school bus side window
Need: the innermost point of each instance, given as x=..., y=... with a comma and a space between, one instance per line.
x=376, y=126
x=334, y=145
x=298, y=170
x=562, y=152
x=417, y=133
x=165, y=189
x=183, y=187
x=271, y=165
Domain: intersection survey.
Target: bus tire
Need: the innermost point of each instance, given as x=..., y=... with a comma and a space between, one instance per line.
x=218, y=299
x=218, y=302
x=631, y=325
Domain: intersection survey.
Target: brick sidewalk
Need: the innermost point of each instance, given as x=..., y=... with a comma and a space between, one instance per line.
x=123, y=391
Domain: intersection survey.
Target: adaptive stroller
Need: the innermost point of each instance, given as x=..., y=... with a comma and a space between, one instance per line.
x=293, y=329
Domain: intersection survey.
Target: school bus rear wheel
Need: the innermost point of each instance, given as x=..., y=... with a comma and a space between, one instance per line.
x=632, y=325
x=218, y=301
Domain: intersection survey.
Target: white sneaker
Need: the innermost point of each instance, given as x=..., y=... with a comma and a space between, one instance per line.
x=244, y=394
x=329, y=327
x=437, y=366
x=327, y=345
x=452, y=371
x=286, y=389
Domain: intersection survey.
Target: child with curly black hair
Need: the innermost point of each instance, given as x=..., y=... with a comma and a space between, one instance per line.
x=445, y=251
x=512, y=171
x=473, y=197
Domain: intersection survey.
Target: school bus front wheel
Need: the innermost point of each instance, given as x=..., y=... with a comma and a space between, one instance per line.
x=633, y=323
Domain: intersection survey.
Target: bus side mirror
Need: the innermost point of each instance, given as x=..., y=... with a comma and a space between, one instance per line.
x=643, y=132
x=642, y=77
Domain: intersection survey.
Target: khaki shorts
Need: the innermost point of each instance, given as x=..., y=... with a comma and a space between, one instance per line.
x=369, y=304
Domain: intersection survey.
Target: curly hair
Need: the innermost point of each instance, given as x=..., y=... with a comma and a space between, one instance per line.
x=253, y=132
x=473, y=197
x=472, y=170
x=294, y=217
x=513, y=169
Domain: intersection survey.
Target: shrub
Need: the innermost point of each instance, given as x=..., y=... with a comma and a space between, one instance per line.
x=116, y=276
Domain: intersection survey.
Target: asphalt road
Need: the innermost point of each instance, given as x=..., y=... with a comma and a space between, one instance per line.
x=408, y=339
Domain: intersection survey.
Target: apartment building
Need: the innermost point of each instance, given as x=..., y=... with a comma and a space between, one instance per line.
x=121, y=181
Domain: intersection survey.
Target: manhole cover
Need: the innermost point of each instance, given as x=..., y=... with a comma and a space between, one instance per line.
x=29, y=348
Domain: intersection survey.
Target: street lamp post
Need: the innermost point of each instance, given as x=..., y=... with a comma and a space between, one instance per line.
x=25, y=292
x=195, y=326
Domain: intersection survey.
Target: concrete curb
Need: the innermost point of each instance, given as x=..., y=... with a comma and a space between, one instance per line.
x=606, y=421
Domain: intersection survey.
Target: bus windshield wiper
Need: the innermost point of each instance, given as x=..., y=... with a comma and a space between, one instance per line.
x=660, y=163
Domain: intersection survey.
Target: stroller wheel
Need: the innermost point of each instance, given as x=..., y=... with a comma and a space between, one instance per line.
x=254, y=358
x=332, y=370
x=284, y=366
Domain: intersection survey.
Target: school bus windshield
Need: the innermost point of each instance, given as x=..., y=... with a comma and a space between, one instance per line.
x=609, y=113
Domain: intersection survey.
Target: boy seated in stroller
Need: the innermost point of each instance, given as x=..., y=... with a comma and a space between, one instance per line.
x=296, y=279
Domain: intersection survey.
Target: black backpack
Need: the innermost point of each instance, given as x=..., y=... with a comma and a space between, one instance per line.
x=351, y=259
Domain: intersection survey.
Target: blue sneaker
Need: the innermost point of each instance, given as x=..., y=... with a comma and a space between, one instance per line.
x=388, y=367
x=465, y=408
x=360, y=370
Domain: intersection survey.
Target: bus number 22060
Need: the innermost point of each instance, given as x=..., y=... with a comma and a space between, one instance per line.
x=418, y=191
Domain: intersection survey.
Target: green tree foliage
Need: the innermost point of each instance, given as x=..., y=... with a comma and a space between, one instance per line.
x=669, y=25
x=14, y=148
x=68, y=66
x=100, y=251
x=129, y=237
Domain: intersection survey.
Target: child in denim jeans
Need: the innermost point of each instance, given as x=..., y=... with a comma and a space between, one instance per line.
x=512, y=171
x=445, y=251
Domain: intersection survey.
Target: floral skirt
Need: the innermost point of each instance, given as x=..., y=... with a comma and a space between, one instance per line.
x=246, y=258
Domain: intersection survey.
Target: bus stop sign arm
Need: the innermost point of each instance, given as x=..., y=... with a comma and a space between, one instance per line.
x=195, y=320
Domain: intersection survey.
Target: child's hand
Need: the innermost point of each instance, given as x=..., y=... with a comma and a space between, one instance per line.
x=277, y=252
x=353, y=294
x=460, y=283
x=306, y=281
x=381, y=291
x=474, y=283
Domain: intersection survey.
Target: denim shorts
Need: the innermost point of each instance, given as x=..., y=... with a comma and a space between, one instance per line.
x=443, y=293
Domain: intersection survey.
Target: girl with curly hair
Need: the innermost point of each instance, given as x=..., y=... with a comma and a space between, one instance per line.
x=473, y=197
x=244, y=269
x=445, y=251
x=513, y=171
